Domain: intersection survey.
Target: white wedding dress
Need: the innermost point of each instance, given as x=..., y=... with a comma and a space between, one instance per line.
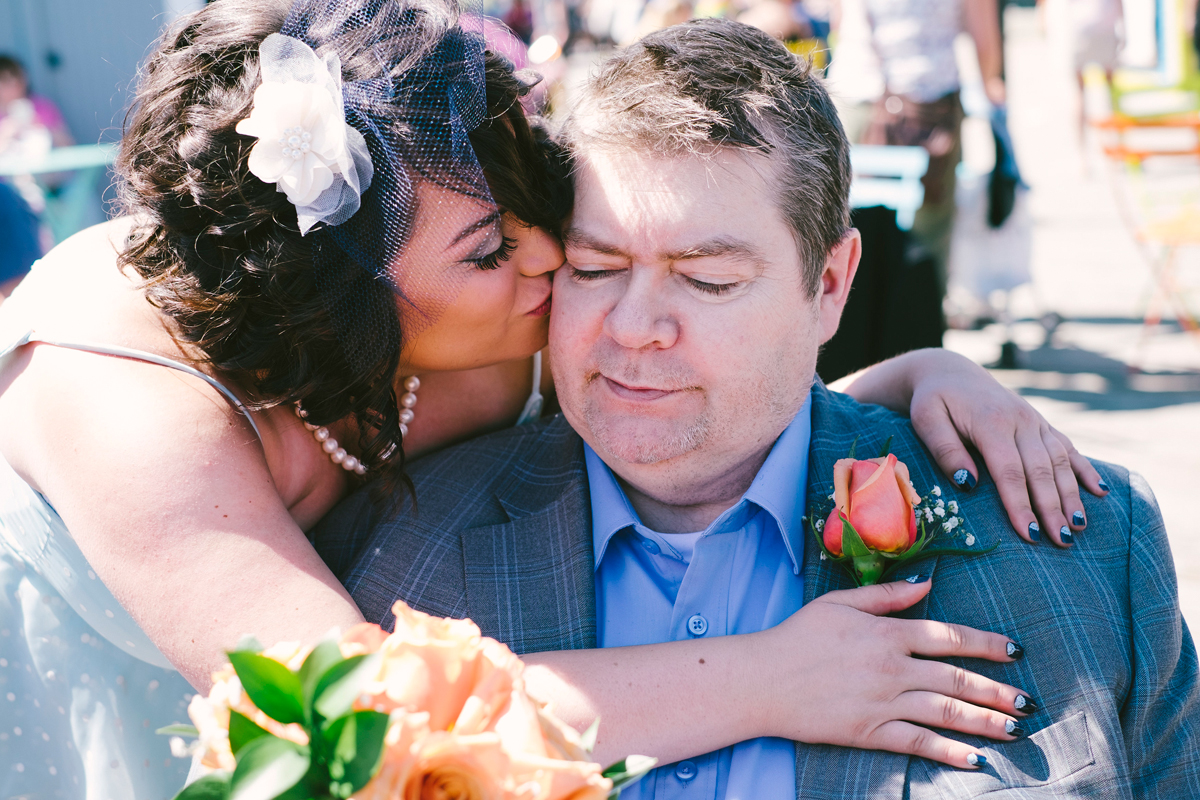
x=82, y=688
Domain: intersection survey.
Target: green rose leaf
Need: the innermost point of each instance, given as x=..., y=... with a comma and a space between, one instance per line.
x=210, y=787
x=852, y=543
x=887, y=448
x=271, y=686
x=356, y=744
x=178, y=730
x=242, y=731
x=323, y=657
x=627, y=771
x=821, y=542
x=338, y=688
x=868, y=570
x=588, y=739
x=267, y=767
x=934, y=552
x=250, y=644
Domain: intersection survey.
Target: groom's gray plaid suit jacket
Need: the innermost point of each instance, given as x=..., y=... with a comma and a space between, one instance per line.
x=502, y=534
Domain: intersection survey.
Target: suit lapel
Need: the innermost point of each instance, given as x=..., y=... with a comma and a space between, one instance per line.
x=530, y=580
x=824, y=771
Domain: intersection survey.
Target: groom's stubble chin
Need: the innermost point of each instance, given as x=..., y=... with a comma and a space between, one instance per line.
x=702, y=424
x=644, y=439
x=643, y=432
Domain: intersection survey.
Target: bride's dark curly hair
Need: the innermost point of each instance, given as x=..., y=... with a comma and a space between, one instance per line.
x=220, y=251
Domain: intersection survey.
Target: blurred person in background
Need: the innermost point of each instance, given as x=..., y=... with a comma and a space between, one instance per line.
x=30, y=125
x=784, y=19
x=19, y=245
x=912, y=41
x=519, y=19
x=1096, y=30
x=23, y=115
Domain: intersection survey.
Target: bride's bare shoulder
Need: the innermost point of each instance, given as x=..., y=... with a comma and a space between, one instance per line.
x=79, y=292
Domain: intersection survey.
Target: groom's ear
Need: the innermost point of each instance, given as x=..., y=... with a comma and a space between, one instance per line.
x=840, y=266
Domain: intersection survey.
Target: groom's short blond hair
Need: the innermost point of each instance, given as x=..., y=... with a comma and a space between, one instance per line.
x=713, y=83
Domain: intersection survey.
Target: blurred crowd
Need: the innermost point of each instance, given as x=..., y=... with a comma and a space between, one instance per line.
x=30, y=126
x=893, y=65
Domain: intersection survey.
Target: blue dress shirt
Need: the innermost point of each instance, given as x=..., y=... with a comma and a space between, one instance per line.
x=739, y=575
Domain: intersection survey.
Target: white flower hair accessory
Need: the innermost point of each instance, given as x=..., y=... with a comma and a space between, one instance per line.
x=305, y=146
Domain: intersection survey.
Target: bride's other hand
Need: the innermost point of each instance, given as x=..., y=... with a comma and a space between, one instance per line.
x=953, y=403
x=856, y=678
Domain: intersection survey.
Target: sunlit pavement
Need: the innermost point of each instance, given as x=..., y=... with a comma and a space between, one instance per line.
x=1122, y=393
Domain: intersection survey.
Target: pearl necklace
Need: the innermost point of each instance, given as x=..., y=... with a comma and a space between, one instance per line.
x=337, y=454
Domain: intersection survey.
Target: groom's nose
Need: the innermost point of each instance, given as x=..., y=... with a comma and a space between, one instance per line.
x=639, y=318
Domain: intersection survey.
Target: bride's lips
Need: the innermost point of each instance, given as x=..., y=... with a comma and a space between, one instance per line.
x=541, y=310
x=636, y=393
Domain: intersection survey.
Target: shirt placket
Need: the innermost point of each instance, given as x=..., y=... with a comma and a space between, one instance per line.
x=699, y=613
x=690, y=779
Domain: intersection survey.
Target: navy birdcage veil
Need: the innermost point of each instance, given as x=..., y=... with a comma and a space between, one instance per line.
x=413, y=86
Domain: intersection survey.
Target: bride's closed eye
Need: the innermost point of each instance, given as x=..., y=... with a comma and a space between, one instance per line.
x=493, y=259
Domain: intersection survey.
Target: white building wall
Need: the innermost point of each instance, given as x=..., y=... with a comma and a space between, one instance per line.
x=84, y=54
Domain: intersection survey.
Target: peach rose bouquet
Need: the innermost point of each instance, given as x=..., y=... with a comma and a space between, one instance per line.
x=879, y=522
x=433, y=711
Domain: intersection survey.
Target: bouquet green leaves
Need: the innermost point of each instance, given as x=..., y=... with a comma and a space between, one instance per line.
x=434, y=710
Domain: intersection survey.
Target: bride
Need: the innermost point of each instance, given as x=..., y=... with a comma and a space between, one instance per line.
x=332, y=210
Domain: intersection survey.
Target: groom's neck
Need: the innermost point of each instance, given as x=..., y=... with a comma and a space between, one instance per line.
x=685, y=498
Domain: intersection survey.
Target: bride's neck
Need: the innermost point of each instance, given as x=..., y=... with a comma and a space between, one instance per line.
x=454, y=406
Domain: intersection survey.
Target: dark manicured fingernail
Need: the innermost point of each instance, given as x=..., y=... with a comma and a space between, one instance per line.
x=977, y=759
x=1077, y=519
x=1025, y=703
x=1103, y=485
x=917, y=578
x=965, y=478
x=1013, y=729
x=1015, y=651
x=1065, y=534
x=1035, y=531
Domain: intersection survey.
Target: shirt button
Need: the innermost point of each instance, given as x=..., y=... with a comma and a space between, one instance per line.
x=651, y=546
x=685, y=770
x=697, y=626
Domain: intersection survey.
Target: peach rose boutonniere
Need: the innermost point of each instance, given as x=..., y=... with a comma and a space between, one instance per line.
x=878, y=521
x=434, y=711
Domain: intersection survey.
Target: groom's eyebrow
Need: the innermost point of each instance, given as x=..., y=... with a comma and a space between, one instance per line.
x=717, y=247
x=721, y=247
x=577, y=238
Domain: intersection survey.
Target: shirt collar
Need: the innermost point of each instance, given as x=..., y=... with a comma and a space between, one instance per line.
x=778, y=489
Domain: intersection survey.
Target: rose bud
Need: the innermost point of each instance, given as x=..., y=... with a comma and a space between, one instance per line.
x=877, y=498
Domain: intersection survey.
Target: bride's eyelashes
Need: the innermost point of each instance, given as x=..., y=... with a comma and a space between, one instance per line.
x=493, y=259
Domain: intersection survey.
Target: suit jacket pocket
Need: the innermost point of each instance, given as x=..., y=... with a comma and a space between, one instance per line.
x=1041, y=760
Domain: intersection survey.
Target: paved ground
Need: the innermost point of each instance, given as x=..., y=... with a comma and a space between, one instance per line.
x=1122, y=394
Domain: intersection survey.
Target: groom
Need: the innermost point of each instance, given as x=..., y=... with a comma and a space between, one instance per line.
x=709, y=257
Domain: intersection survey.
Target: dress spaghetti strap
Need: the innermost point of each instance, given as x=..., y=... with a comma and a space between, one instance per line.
x=533, y=406
x=151, y=358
